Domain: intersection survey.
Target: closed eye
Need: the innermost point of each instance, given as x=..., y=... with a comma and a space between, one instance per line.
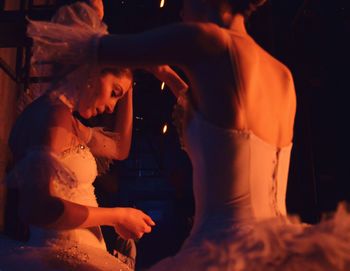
x=117, y=92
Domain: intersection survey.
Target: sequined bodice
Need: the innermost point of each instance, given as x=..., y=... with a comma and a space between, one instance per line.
x=82, y=164
x=237, y=176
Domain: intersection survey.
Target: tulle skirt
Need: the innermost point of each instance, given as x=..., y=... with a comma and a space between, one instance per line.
x=56, y=256
x=279, y=244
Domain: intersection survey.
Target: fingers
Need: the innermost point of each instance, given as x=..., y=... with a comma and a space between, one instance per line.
x=135, y=224
x=139, y=235
x=98, y=6
x=144, y=228
x=149, y=220
x=147, y=229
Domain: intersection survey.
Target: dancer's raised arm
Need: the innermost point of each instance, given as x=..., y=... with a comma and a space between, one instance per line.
x=181, y=44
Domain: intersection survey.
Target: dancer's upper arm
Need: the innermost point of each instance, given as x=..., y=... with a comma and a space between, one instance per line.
x=40, y=166
x=180, y=44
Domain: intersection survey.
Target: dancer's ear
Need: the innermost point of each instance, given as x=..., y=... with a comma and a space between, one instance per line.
x=98, y=6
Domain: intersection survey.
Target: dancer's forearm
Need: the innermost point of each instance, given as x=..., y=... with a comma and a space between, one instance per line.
x=123, y=124
x=60, y=214
x=80, y=216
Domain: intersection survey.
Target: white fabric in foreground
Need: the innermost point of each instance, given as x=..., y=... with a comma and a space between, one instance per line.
x=271, y=245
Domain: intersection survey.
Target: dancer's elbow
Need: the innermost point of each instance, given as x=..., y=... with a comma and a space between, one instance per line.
x=41, y=212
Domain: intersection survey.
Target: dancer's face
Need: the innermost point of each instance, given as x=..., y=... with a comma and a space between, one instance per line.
x=109, y=91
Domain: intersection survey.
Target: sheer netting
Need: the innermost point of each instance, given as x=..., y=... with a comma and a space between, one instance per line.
x=40, y=166
x=104, y=145
x=69, y=43
x=37, y=168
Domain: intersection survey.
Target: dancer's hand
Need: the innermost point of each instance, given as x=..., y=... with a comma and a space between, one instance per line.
x=131, y=223
x=169, y=77
x=98, y=6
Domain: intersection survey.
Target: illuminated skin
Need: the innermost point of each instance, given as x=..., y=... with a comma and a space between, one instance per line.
x=98, y=6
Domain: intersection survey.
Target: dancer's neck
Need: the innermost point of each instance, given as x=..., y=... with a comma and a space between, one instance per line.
x=238, y=24
x=226, y=19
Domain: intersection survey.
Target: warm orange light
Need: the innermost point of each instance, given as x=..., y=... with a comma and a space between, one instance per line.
x=162, y=3
x=165, y=128
x=162, y=87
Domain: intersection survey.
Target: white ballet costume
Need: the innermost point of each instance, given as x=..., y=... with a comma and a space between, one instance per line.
x=241, y=223
x=239, y=184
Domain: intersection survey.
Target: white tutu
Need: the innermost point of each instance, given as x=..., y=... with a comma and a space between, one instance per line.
x=60, y=256
x=271, y=245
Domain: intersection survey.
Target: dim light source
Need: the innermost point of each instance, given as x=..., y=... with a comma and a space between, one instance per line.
x=162, y=86
x=162, y=3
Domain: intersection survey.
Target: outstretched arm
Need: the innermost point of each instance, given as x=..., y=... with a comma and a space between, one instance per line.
x=177, y=44
x=181, y=44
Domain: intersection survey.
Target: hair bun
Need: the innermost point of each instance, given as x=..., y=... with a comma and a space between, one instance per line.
x=246, y=7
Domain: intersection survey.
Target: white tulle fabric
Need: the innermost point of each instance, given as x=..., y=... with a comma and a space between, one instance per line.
x=105, y=142
x=270, y=245
x=72, y=174
x=68, y=42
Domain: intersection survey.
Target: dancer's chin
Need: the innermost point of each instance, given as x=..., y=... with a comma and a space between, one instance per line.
x=87, y=114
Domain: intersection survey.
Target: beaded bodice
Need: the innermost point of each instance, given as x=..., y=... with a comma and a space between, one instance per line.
x=79, y=160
